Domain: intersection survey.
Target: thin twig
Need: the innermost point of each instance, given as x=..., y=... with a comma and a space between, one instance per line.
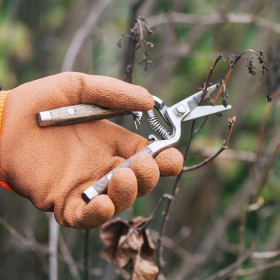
x=224, y=273
x=224, y=146
x=32, y=245
x=131, y=68
x=231, y=154
x=261, y=130
x=211, y=71
x=260, y=268
x=176, y=183
x=135, y=6
x=209, y=241
x=165, y=218
x=214, y=18
x=84, y=30
x=146, y=224
x=241, y=232
x=53, y=241
x=86, y=255
x=222, y=86
x=178, y=250
x=252, y=201
x=265, y=255
x=68, y=258
x=267, y=172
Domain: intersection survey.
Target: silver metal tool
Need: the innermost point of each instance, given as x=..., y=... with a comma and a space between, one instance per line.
x=184, y=110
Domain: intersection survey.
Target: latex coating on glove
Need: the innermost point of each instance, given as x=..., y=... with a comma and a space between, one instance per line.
x=52, y=166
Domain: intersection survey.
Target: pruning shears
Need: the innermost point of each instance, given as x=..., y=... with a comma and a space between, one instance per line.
x=186, y=110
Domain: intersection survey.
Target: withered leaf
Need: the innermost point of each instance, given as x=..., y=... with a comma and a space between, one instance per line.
x=128, y=248
x=124, y=241
x=148, y=248
x=110, y=234
x=144, y=270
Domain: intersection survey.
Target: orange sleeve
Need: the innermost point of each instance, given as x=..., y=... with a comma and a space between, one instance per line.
x=3, y=97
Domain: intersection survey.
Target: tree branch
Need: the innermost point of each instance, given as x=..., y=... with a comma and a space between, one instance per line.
x=267, y=172
x=53, y=241
x=215, y=18
x=260, y=268
x=85, y=29
x=68, y=258
x=224, y=273
x=231, y=123
x=176, y=183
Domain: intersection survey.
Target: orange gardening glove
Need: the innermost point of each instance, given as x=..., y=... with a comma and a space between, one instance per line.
x=52, y=166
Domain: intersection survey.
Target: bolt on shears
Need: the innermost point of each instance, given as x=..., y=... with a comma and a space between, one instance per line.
x=185, y=110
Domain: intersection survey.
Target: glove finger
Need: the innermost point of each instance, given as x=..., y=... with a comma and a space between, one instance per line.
x=127, y=143
x=170, y=162
x=115, y=94
x=81, y=215
x=146, y=172
x=71, y=88
x=122, y=189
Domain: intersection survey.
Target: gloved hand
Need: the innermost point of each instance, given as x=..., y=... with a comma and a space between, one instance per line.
x=52, y=166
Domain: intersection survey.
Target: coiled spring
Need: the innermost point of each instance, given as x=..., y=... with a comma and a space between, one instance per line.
x=155, y=125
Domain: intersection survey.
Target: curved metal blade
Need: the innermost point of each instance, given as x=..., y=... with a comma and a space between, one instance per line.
x=204, y=111
x=194, y=99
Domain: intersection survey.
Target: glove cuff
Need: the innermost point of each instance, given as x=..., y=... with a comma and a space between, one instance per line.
x=3, y=98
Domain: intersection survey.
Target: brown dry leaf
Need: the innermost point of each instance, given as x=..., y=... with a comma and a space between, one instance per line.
x=148, y=248
x=144, y=270
x=124, y=244
x=128, y=248
x=110, y=234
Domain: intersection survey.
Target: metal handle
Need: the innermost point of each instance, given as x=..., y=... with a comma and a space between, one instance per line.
x=100, y=187
x=76, y=114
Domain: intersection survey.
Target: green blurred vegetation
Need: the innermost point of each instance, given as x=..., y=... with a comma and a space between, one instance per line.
x=34, y=38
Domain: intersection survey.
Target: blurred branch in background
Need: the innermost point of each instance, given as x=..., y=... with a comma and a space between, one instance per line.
x=213, y=219
x=53, y=241
x=85, y=29
x=212, y=19
x=224, y=146
x=134, y=13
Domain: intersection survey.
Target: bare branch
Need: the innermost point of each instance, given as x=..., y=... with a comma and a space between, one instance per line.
x=224, y=273
x=268, y=171
x=146, y=224
x=260, y=268
x=265, y=255
x=178, y=250
x=231, y=123
x=86, y=255
x=53, y=241
x=85, y=29
x=262, y=129
x=231, y=154
x=176, y=183
x=68, y=258
x=215, y=18
x=31, y=244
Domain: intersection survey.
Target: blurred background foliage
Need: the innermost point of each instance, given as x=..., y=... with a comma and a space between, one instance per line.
x=202, y=235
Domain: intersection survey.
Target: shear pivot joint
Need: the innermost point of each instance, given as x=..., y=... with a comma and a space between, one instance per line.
x=180, y=109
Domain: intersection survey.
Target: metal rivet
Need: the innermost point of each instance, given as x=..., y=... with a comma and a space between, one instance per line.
x=180, y=109
x=71, y=111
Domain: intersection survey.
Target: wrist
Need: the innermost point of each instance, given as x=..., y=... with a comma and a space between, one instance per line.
x=3, y=98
